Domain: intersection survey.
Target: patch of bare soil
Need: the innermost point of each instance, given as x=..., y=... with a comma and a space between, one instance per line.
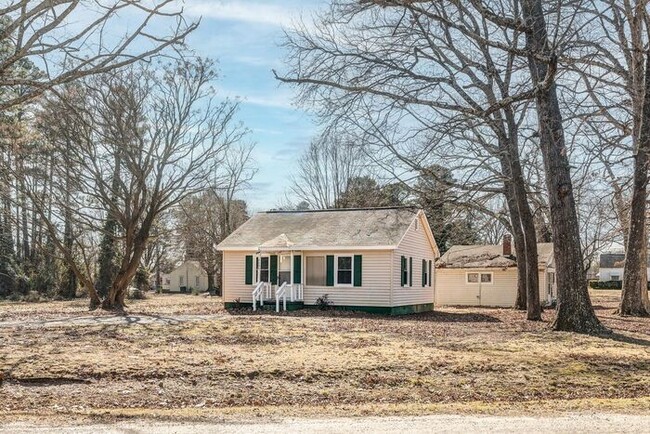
x=476, y=359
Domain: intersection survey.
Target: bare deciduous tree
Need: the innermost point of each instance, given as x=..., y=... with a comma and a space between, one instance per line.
x=418, y=77
x=72, y=39
x=171, y=134
x=325, y=169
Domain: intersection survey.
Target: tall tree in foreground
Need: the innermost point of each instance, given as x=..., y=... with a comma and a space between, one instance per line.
x=574, y=310
x=634, y=298
x=178, y=134
x=417, y=80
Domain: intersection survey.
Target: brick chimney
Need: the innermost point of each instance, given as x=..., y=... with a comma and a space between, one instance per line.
x=507, y=245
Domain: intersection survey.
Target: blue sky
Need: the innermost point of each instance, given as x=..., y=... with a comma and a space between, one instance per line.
x=244, y=37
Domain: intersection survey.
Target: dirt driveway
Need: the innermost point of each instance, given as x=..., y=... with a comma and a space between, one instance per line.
x=572, y=423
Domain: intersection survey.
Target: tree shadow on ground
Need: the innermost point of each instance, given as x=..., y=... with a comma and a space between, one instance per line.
x=619, y=337
x=434, y=316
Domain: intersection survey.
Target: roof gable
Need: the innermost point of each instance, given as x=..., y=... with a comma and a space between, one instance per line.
x=353, y=228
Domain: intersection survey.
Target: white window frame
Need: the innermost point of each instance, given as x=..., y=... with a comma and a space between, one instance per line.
x=197, y=281
x=255, y=266
x=611, y=277
x=407, y=281
x=480, y=282
x=427, y=277
x=336, y=271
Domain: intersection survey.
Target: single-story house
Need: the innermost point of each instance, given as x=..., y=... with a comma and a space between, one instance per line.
x=374, y=259
x=186, y=277
x=486, y=275
x=610, y=266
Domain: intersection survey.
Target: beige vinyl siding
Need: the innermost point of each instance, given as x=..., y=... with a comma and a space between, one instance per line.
x=375, y=281
x=234, y=286
x=452, y=287
x=415, y=244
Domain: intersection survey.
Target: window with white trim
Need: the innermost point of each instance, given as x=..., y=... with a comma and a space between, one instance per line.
x=475, y=277
x=263, y=263
x=343, y=270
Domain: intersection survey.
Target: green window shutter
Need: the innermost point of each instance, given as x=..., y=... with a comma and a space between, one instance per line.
x=357, y=270
x=273, y=270
x=430, y=275
x=329, y=274
x=402, y=271
x=411, y=271
x=248, y=275
x=297, y=271
x=424, y=273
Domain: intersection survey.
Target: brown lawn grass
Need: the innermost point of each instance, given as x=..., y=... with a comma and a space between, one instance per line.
x=313, y=362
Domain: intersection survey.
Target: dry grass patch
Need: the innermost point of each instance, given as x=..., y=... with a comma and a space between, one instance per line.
x=471, y=358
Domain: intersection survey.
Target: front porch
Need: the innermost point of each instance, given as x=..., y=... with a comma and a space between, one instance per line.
x=277, y=276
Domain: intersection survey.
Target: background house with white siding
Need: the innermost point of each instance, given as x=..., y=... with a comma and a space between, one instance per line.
x=186, y=277
x=376, y=259
x=486, y=275
x=610, y=266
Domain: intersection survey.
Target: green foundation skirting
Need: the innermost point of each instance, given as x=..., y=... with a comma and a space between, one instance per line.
x=396, y=310
x=291, y=306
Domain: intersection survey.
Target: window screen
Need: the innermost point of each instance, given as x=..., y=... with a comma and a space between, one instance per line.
x=315, y=270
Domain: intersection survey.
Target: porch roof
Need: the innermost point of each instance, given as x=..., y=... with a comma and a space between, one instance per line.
x=369, y=228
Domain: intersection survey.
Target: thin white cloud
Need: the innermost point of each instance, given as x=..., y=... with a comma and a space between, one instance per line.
x=243, y=11
x=275, y=99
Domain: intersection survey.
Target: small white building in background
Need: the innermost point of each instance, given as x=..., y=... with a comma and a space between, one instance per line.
x=486, y=275
x=185, y=278
x=610, y=267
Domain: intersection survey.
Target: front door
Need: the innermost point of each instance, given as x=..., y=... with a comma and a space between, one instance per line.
x=284, y=269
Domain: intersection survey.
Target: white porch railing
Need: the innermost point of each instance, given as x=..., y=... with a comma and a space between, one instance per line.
x=281, y=292
x=258, y=293
x=264, y=291
x=296, y=292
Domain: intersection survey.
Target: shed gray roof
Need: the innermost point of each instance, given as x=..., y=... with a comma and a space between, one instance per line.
x=614, y=260
x=488, y=256
x=370, y=227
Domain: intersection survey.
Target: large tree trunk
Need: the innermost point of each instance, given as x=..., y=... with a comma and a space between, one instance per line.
x=574, y=311
x=520, y=247
x=533, y=303
x=634, y=298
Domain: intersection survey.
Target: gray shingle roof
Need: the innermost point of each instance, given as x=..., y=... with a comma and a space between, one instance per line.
x=372, y=227
x=487, y=256
x=614, y=260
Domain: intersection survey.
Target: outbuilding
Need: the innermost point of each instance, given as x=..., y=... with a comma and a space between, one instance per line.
x=185, y=278
x=486, y=275
x=372, y=259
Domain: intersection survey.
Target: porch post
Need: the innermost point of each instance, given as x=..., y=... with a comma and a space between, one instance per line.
x=291, y=281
